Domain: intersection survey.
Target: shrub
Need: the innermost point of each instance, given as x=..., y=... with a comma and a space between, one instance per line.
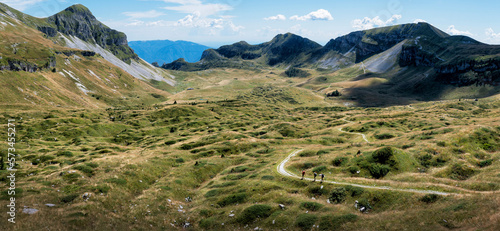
x=485, y=163
x=430, y=198
x=209, y=223
x=317, y=190
x=213, y=192
x=461, y=171
x=339, y=161
x=306, y=221
x=64, y=153
x=296, y=72
x=384, y=136
x=117, y=181
x=267, y=177
x=319, y=169
x=233, y=199
x=170, y=142
x=338, y=195
x=353, y=169
x=313, y=206
x=379, y=170
x=307, y=153
x=89, y=171
x=384, y=155
x=71, y=177
x=253, y=212
x=68, y=198
x=102, y=189
x=335, y=222
x=179, y=160
x=354, y=191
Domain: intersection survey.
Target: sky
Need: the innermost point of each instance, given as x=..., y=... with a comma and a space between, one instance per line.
x=220, y=22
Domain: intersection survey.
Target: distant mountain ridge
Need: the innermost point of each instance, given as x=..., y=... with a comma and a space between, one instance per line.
x=458, y=60
x=166, y=51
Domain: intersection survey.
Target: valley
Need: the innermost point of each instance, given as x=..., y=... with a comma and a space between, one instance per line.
x=401, y=120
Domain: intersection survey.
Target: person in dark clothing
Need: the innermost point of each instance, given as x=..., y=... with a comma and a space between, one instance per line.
x=322, y=177
x=315, y=175
x=303, y=173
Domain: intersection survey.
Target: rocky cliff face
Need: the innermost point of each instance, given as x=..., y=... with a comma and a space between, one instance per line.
x=371, y=42
x=412, y=55
x=78, y=21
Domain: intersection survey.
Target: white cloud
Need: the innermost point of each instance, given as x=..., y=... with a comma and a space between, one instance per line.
x=196, y=21
x=21, y=4
x=418, y=20
x=277, y=17
x=492, y=36
x=146, y=14
x=454, y=31
x=369, y=23
x=320, y=14
x=193, y=6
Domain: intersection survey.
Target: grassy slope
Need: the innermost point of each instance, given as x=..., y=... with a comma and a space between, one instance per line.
x=111, y=87
x=140, y=165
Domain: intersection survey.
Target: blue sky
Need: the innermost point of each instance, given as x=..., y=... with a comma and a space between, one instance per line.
x=219, y=22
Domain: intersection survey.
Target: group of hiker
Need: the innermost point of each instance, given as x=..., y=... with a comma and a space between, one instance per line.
x=315, y=175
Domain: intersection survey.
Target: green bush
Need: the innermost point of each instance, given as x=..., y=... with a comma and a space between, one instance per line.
x=307, y=153
x=253, y=212
x=317, y=190
x=430, y=198
x=233, y=199
x=313, y=206
x=379, y=170
x=209, y=223
x=68, y=198
x=213, y=192
x=353, y=169
x=354, y=191
x=335, y=222
x=170, y=142
x=485, y=163
x=319, y=169
x=89, y=171
x=384, y=155
x=339, y=161
x=267, y=177
x=384, y=136
x=117, y=181
x=305, y=221
x=338, y=195
x=64, y=153
x=461, y=171
x=296, y=72
x=71, y=177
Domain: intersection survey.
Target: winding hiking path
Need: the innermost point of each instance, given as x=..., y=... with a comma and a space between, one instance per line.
x=361, y=134
x=282, y=170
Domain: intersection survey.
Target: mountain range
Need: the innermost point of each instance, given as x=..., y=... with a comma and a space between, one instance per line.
x=167, y=51
x=414, y=61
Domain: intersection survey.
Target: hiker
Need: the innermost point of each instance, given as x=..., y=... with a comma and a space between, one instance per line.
x=322, y=177
x=303, y=173
x=315, y=175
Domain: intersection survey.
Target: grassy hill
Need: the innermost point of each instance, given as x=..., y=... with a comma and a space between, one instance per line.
x=196, y=166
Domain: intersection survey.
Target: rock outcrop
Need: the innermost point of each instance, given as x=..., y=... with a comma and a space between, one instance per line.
x=79, y=22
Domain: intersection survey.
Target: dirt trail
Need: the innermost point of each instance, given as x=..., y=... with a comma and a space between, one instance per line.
x=282, y=170
x=361, y=134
